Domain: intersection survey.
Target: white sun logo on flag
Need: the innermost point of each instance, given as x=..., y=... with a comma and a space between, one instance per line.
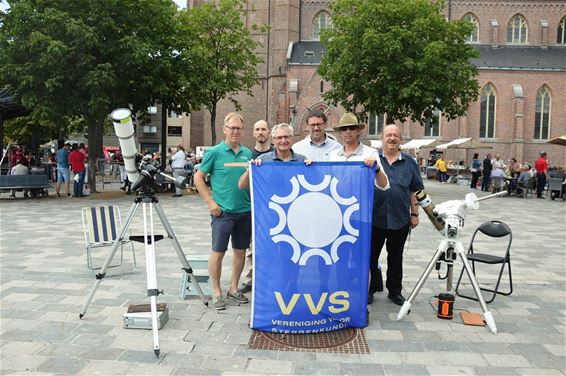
x=314, y=235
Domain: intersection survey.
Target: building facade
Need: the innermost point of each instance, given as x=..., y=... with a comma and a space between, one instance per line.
x=522, y=77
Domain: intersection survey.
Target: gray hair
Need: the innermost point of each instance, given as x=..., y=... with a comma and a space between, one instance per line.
x=281, y=126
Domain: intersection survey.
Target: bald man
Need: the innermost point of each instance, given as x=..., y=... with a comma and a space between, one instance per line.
x=262, y=140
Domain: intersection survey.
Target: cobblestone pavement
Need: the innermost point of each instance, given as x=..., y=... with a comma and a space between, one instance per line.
x=45, y=282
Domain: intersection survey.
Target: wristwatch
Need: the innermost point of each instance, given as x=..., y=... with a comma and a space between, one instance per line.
x=414, y=214
x=377, y=169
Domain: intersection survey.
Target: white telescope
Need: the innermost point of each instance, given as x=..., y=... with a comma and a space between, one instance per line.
x=124, y=128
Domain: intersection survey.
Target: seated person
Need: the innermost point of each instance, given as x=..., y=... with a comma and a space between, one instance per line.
x=523, y=180
x=497, y=179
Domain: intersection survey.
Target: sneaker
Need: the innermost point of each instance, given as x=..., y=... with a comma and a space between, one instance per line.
x=244, y=288
x=237, y=296
x=218, y=303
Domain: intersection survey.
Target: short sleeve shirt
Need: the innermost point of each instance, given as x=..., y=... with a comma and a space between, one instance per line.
x=224, y=179
x=316, y=152
x=63, y=158
x=362, y=153
x=391, y=208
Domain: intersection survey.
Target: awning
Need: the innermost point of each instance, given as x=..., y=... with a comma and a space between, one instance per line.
x=558, y=140
x=376, y=144
x=418, y=143
x=10, y=107
x=464, y=143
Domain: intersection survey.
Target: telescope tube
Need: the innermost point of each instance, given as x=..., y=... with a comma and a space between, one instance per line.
x=424, y=201
x=124, y=128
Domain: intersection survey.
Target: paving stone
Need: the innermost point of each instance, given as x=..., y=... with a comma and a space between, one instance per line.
x=315, y=368
x=360, y=369
x=183, y=360
x=22, y=363
x=444, y=370
x=395, y=346
x=500, y=360
x=105, y=367
x=405, y=370
x=62, y=365
x=268, y=366
x=135, y=356
x=227, y=363
x=491, y=370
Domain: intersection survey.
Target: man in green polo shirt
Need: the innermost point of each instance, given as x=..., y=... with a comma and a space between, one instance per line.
x=229, y=207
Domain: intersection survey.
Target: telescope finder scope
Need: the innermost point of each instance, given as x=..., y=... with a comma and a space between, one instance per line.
x=424, y=201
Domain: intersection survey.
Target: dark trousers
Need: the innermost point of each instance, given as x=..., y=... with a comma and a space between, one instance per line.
x=485, y=181
x=394, y=241
x=475, y=177
x=78, y=186
x=541, y=182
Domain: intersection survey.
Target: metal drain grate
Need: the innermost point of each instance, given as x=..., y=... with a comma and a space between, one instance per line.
x=345, y=341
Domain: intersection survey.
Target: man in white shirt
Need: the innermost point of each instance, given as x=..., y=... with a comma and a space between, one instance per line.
x=353, y=150
x=178, y=166
x=317, y=145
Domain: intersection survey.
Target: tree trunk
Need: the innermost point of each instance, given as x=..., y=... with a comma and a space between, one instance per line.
x=95, y=130
x=213, y=124
x=163, y=137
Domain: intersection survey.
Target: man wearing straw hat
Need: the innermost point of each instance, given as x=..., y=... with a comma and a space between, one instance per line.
x=353, y=150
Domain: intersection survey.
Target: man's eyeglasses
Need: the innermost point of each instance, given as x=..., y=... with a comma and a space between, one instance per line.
x=348, y=128
x=286, y=137
x=319, y=125
x=235, y=129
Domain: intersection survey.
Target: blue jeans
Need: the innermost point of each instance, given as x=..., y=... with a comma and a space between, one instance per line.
x=78, y=186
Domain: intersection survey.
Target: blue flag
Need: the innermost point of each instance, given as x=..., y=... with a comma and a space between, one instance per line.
x=312, y=238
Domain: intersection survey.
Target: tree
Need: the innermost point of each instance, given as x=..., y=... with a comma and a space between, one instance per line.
x=219, y=56
x=83, y=58
x=399, y=57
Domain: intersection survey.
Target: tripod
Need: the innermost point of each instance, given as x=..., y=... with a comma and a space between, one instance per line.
x=149, y=202
x=450, y=247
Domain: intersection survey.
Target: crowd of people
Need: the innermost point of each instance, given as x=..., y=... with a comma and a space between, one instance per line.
x=494, y=172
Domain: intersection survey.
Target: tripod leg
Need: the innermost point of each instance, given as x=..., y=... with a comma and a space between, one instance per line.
x=100, y=276
x=186, y=266
x=151, y=273
x=409, y=302
x=487, y=315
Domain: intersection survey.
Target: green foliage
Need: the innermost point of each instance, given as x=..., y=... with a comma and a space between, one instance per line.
x=399, y=57
x=83, y=58
x=218, y=56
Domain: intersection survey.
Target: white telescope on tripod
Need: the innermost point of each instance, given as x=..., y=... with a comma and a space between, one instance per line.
x=124, y=128
x=448, y=218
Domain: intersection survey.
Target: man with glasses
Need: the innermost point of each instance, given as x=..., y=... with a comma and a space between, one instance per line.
x=282, y=135
x=229, y=207
x=317, y=145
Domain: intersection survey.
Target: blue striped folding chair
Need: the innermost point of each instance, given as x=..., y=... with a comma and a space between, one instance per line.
x=101, y=225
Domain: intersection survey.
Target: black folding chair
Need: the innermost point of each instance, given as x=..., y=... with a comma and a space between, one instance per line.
x=491, y=229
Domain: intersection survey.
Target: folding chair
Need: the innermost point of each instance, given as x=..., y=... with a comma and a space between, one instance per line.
x=491, y=229
x=554, y=186
x=101, y=225
x=496, y=183
x=531, y=186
